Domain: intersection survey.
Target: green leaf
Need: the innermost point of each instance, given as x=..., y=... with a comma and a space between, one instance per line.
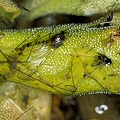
x=39, y=8
x=9, y=10
x=87, y=61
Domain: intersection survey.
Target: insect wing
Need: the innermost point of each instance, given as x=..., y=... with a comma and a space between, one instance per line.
x=34, y=57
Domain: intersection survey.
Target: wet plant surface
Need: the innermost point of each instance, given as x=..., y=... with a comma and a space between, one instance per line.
x=86, y=107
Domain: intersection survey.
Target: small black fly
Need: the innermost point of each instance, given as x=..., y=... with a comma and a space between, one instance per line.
x=102, y=60
x=109, y=19
x=58, y=39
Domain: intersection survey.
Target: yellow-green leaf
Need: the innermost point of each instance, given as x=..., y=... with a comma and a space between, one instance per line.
x=87, y=61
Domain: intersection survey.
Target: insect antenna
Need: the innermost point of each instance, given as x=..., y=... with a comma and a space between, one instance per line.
x=20, y=6
x=24, y=113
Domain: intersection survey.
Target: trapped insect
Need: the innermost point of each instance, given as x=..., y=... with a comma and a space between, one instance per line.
x=103, y=60
x=27, y=71
x=58, y=39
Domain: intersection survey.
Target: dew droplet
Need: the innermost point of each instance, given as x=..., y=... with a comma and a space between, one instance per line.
x=101, y=109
